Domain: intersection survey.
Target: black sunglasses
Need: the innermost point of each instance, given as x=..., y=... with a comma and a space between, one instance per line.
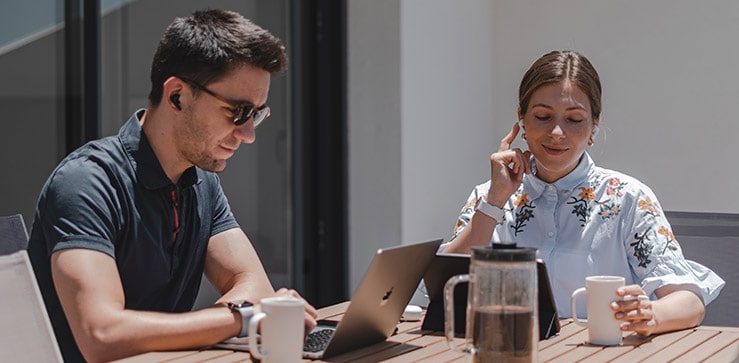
x=241, y=112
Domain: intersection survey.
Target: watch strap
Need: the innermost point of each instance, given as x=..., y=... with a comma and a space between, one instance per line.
x=490, y=210
x=246, y=310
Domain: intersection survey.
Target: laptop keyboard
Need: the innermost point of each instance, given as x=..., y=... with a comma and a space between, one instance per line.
x=317, y=340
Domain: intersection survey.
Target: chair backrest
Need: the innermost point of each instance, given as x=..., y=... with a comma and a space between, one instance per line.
x=712, y=239
x=13, y=234
x=25, y=329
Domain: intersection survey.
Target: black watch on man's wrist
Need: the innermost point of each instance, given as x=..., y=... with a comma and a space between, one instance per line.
x=246, y=310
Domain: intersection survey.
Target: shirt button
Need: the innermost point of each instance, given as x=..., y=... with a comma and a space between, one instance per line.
x=550, y=234
x=550, y=188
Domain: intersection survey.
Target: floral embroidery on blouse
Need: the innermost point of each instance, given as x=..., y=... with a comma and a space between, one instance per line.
x=611, y=207
x=671, y=242
x=464, y=217
x=615, y=186
x=644, y=243
x=651, y=208
x=581, y=207
x=643, y=248
x=524, y=214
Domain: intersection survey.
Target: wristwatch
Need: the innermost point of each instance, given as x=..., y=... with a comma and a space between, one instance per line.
x=490, y=210
x=246, y=310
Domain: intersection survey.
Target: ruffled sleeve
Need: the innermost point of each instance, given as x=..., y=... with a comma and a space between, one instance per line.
x=656, y=257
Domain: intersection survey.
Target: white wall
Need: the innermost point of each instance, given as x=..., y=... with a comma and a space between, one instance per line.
x=444, y=74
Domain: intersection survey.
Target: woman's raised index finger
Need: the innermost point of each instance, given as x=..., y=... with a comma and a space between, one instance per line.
x=505, y=144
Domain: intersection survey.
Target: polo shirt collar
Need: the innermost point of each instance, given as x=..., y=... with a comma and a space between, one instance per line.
x=577, y=176
x=143, y=160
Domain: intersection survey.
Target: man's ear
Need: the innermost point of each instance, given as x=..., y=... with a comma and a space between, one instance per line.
x=172, y=91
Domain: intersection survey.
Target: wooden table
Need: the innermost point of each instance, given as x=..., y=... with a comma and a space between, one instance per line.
x=411, y=344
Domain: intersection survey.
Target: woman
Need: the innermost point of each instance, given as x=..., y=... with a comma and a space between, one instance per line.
x=584, y=220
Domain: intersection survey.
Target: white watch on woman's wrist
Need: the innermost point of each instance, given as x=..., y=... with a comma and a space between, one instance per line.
x=490, y=210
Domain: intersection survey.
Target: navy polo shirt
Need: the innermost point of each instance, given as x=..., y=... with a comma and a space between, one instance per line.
x=112, y=195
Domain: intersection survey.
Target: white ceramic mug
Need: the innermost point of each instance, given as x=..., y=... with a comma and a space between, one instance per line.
x=603, y=328
x=282, y=327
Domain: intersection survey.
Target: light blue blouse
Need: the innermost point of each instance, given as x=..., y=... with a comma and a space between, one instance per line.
x=595, y=221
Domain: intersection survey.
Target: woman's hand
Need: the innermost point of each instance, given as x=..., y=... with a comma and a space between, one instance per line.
x=635, y=311
x=507, y=167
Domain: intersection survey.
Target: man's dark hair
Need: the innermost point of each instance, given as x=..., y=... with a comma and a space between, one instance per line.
x=209, y=44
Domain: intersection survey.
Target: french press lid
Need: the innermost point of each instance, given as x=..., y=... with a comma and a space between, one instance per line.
x=505, y=252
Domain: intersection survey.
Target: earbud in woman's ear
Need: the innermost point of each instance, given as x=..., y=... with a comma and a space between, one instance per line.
x=523, y=130
x=596, y=129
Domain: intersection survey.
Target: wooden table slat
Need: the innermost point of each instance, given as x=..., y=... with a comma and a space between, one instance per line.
x=706, y=349
x=436, y=347
x=446, y=355
x=157, y=356
x=203, y=355
x=333, y=311
x=728, y=354
x=571, y=341
x=682, y=346
x=566, y=331
x=653, y=346
x=233, y=357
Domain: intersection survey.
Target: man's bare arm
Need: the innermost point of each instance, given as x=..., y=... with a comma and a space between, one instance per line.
x=91, y=294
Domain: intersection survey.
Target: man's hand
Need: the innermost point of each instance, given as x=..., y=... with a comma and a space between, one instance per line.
x=310, y=311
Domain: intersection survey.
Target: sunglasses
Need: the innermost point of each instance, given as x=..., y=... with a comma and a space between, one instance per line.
x=242, y=112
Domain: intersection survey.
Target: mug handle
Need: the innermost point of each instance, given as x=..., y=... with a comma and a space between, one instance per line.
x=449, y=312
x=575, y=294
x=253, y=346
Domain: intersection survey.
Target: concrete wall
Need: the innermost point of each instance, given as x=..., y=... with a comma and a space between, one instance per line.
x=444, y=75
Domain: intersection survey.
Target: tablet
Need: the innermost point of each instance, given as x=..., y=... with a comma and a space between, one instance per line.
x=447, y=265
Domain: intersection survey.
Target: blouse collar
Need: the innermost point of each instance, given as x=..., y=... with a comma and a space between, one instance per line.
x=535, y=186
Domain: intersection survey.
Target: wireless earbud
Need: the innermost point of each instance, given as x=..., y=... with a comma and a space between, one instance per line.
x=520, y=124
x=175, y=98
x=596, y=129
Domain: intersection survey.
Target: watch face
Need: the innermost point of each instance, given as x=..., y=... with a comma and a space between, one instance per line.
x=243, y=304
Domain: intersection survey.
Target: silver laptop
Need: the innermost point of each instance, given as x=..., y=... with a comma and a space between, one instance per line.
x=377, y=305
x=25, y=327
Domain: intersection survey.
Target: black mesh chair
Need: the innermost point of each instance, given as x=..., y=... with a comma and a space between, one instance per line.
x=712, y=239
x=13, y=234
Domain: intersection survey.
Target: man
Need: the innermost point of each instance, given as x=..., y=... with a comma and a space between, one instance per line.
x=125, y=226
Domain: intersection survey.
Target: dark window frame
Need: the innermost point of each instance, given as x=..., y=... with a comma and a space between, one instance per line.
x=318, y=61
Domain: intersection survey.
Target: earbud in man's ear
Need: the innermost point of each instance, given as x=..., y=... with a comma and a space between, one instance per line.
x=175, y=98
x=520, y=124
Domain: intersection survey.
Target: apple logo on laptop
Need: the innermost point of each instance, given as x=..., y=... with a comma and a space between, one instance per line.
x=386, y=298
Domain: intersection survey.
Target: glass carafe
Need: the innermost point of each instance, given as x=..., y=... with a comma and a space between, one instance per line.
x=502, y=317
